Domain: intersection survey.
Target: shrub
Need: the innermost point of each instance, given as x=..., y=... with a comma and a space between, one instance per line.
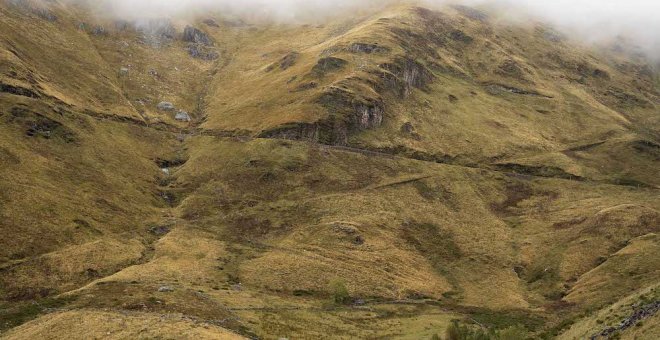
x=339, y=292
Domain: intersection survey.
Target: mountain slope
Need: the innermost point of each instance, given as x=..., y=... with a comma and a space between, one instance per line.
x=373, y=176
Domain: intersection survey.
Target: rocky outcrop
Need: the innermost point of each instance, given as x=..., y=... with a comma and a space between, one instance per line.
x=39, y=9
x=38, y=125
x=200, y=51
x=18, y=91
x=327, y=65
x=182, y=116
x=287, y=61
x=640, y=312
x=155, y=32
x=194, y=35
x=498, y=89
x=367, y=48
x=458, y=35
x=347, y=113
x=402, y=75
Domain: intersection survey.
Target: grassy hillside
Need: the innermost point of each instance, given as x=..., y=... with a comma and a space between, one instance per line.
x=374, y=176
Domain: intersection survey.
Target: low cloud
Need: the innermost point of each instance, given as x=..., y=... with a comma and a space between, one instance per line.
x=593, y=20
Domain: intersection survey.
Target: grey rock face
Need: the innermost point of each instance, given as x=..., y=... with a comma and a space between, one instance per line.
x=194, y=35
x=182, y=116
x=165, y=106
x=123, y=71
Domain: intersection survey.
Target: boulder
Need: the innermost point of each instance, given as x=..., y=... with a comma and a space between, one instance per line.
x=182, y=116
x=165, y=289
x=165, y=106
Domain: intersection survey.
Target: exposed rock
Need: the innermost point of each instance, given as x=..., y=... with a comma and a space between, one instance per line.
x=159, y=230
x=471, y=13
x=510, y=68
x=640, y=312
x=403, y=75
x=551, y=35
x=496, y=89
x=38, y=9
x=201, y=51
x=306, y=86
x=122, y=25
x=99, y=30
x=165, y=106
x=210, y=22
x=182, y=116
x=45, y=14
x=123, y=71
x=367, y=48
x=194, y=35
x=458, y=35
x=287, y=61
x=165, y=289
x=155, y=32
x=39, y=125
x=328, y=64
x=18, y=91
x=407, y=128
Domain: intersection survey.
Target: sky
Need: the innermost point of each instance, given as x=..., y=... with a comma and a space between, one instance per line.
x=592, y=20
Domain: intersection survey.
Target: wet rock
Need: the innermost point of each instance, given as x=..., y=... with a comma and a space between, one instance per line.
x=165, y=106
x=194, y=35
x=182, y=116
